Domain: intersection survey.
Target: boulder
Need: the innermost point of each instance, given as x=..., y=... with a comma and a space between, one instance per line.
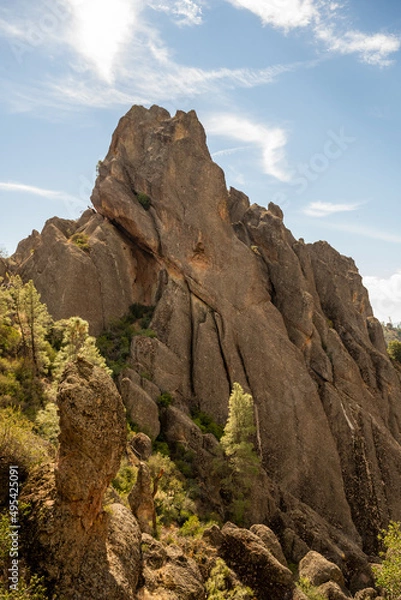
x=255, y=565
x=141, y=445
x=271, y=542
x=318, y=570
x=332, y=591
x=140, y=407
x=366, y=594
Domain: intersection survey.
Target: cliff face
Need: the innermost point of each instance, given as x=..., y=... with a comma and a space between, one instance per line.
x=237, y=299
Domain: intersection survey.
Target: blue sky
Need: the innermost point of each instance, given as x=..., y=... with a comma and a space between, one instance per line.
x=300, y=100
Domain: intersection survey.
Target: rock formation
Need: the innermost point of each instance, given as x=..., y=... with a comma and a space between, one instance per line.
x=238, y=299
x=83, y=550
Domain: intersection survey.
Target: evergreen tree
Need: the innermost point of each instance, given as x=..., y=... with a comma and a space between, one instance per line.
x=76, y=343
x=388, y=575
x=238, y=446
x=32, y=321
x=239, y=432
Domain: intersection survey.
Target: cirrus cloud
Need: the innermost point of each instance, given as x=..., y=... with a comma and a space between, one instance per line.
x=326, y=209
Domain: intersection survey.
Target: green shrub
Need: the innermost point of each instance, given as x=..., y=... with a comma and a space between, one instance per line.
x=144, y=200
x=125, y=479
x=114, y=342
x=29, y=588
x=164, y=400
x=47, y=423
x=388, y=574
x=222, y=586
x=81, y=240
x=171, y=501
x=18, y=443
x=195, y=528
x=394, y=350
x=310, y=591
x=207, y=424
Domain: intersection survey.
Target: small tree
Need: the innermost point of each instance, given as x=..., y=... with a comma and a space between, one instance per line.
x=388, y=574
x=77, y=343
x=238, y=445
x=237, y=439
x=32, y=321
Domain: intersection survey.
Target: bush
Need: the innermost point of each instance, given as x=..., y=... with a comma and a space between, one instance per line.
x=114, y=342
x=310, y=591
x=221, y=584
x=144, y=200
x=207, y=424
x=165, y=400
x=18, y=442
x=388, y=574
x=47, y=423
x=81, y=240
x=125, y=479
x=195, y=528
x=394, y=350
x=171, y=501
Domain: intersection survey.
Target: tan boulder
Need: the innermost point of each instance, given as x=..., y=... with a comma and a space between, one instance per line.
x=318, y=570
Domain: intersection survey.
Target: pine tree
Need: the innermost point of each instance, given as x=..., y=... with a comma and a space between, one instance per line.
x=238, y=445
x=32, y=321
x=77, y=343
x=239, y=432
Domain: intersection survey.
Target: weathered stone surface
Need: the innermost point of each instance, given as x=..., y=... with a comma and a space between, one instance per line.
x=141, y=444
x=270, y=540
x=366, y=594
x=319, y=570
x=141, y=409
x=92, y=438
x=97, y=284
x=255, y=565
x=141, y=500
x=332, y=591
x=83, y=550
x=169, y=574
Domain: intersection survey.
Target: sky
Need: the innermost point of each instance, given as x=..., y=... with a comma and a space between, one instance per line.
x=300, y=100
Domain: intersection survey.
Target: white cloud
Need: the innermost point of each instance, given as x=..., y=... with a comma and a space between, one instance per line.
x=324, y=17
x=326, y=209
x=385, y=296
x=374, y=49
x=285, y=14
x=270, y=141
x=42, y=192
x=184, y=12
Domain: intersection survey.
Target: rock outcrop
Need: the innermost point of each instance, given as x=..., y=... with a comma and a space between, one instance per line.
x=83, y=550
x=238, y=299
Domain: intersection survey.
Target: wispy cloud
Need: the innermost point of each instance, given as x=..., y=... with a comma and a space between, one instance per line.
x=270, y=141
x=42, y=192
x=326, y=209
x=372, y=49
x=385, y=296
x=323, y=17
x=184, y=12
x=285, y=14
